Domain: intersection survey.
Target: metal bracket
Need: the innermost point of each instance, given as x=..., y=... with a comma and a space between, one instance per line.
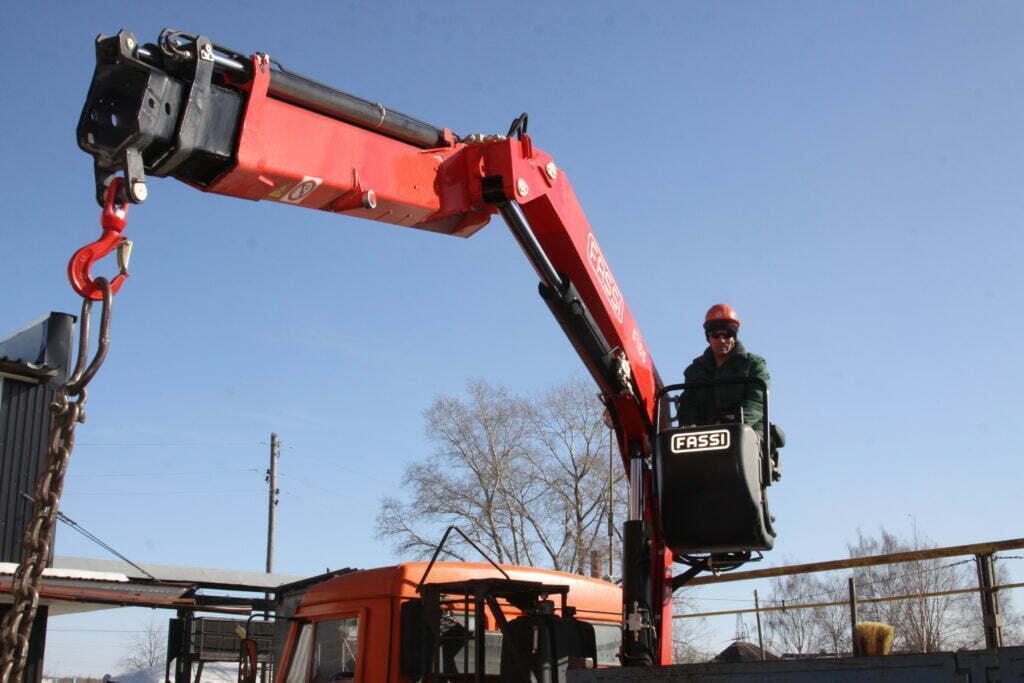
x=121, y=47
x=193, y=120
x=623, y=372
x=134, y=189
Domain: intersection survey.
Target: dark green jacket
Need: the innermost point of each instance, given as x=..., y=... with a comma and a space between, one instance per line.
x=706, y=405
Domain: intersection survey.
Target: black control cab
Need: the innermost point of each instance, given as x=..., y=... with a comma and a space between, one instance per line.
x=711, y=479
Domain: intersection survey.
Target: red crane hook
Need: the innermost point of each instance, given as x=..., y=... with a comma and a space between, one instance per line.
x=112, y=220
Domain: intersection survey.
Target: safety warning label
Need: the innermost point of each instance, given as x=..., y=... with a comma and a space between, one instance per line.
x=302, y=189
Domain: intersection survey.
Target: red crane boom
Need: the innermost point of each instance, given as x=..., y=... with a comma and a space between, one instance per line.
x=244, y=127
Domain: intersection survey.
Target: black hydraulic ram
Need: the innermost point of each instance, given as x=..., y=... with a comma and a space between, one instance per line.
x=307, y=93
x=558, y=293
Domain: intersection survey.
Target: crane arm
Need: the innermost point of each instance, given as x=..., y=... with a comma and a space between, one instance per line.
x=244, y=127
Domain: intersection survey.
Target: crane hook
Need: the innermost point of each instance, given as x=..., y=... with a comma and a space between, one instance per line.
x=113, y=221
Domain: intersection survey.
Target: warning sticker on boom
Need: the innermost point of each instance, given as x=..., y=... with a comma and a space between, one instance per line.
x=692, y=442
x=302, y=189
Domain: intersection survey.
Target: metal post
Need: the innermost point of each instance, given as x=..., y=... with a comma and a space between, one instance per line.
x=636, y=488
x=992, y=619
x=183, y=662
x=853, y=618
x=480, y=637
x=638, y=636
x=757, y=613
x=611, y=504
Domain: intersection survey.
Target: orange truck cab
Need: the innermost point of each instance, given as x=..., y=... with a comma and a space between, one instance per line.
x=383, y=625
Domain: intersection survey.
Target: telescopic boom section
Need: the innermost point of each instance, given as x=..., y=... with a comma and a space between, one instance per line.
x=241, y=127
x=295, y=155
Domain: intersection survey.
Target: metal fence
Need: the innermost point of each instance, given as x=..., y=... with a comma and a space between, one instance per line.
x=987, y=588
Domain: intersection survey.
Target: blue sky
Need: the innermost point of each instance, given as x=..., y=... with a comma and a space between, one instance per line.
x=847, y=175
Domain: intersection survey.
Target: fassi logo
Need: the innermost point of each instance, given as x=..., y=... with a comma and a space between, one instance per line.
x=716, y=440
x=604, y=276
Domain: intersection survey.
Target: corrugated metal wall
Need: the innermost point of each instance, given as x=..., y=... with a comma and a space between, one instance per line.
x=32, y=360
x=42, y=352
x=24, y=424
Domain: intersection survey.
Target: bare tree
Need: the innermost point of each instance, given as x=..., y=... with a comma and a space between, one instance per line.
x=923, y=624
x=480, y=450
x=525, y=479
x=1013, y=620
x=833, y=621
x=569, y=459
x=688, y=633
x=794, y=631
x=147, y=647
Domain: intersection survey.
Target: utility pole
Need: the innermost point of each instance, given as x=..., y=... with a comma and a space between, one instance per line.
x=273, y=491
x=757, y=613
x=275, y=453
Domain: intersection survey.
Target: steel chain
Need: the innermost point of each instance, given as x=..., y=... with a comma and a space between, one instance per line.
x=67, y=410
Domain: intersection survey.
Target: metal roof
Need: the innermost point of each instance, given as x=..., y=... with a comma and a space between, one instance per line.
x=28, y=372
x=77, y=584
x=43, y=346
x=201, y=577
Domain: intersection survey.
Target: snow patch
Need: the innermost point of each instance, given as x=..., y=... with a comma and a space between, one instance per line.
x=59, y=573
x=214, y=672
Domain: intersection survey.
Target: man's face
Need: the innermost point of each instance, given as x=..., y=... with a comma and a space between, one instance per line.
x=722, y=342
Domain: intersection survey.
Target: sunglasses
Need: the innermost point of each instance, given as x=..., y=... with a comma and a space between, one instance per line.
x=722, y=334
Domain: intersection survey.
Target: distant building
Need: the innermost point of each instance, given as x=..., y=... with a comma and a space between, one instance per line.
x=742, y=651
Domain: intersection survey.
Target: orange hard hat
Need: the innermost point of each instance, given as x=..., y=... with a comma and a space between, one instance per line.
x=723, y=313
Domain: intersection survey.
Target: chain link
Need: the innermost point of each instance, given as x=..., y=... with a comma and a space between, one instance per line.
x=67, y=410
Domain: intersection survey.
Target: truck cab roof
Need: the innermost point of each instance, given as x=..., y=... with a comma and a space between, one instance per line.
x=593, y=598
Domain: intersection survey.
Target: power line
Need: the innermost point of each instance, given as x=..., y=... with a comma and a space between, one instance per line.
x=348, y=469
x=93, y=537
x=174, y=444
x=196, y=492
x=698, y=598
x=164, y=473
x=304, y=479
x=94, y=630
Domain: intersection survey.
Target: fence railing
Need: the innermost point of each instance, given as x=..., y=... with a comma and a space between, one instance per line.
x=987, y=587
